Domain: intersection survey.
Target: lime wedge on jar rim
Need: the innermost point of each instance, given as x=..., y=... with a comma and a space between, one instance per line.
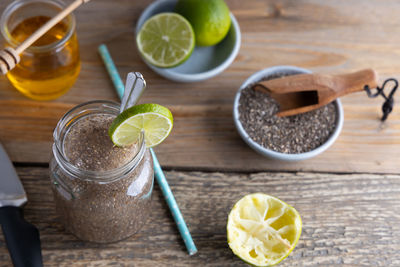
x=155, y=120
x=263, y=230
x=166, y=40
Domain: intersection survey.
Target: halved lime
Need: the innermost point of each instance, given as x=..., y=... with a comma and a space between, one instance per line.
x=155, y=120
x=263, y=230
x=166, y=40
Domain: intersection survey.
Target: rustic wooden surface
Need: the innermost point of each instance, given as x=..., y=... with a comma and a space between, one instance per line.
x=348, y=220
x=324, y=36
x=348, y=197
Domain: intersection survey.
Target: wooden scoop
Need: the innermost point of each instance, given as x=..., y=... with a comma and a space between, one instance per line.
x=9, y=57
x=305, y=92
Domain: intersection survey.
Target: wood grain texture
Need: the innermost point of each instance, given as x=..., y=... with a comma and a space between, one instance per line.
x=348, y=220
x=324, y=36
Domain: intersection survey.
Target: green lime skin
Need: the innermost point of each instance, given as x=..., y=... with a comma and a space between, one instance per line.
x=210, y=19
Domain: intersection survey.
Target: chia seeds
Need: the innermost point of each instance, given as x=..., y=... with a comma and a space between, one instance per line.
x=291, y=135
x=101, y=211
x=87, y=145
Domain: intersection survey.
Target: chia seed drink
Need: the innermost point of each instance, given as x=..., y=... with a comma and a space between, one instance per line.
x=102, y=192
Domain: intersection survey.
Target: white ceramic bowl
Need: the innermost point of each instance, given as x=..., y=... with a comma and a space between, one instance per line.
x=271, y=153
x=205, y=62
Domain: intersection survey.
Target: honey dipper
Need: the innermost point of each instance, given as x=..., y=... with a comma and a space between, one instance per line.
x=305, y=92
x=9, y=57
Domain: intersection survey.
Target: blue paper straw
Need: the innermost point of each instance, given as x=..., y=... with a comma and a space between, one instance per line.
x=160, y=177
x=112, y=70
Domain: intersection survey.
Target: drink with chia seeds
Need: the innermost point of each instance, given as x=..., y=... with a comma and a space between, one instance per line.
x=102, y=192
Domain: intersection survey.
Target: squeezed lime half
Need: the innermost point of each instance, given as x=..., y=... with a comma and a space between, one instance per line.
x=263, y=230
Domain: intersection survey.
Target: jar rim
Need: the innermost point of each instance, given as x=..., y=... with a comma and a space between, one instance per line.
x=89, y=175
x=14, y=6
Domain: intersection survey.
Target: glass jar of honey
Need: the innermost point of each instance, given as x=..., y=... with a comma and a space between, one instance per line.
x=51, y=65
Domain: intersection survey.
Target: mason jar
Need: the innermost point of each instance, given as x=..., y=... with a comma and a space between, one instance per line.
x=51, y=65
x=102, y=192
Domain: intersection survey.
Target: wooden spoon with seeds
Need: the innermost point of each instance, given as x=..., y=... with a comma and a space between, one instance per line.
x=305, y=92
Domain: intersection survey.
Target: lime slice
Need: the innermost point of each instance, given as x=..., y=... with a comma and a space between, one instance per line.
x=166, y=40
x=155, y=120
x=263, y=230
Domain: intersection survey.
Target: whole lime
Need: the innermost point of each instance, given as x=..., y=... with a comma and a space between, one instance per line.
x=210, y=19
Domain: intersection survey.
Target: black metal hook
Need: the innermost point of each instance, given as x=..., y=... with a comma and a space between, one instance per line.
x=387, y=106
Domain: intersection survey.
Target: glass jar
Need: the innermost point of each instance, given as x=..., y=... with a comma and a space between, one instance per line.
x=51, y=65
x=102, y=193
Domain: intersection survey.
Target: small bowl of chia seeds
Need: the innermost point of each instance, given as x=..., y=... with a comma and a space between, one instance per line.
x=292, y=138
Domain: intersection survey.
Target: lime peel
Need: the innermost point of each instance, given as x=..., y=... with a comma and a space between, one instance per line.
x=263, y=230
x=210, y=19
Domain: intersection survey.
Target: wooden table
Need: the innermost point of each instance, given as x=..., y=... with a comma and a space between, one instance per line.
x=348, y=197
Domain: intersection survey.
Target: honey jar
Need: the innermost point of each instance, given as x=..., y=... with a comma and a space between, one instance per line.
x=51, y=65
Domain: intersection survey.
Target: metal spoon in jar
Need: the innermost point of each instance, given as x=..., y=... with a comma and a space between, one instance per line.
x=134, y=87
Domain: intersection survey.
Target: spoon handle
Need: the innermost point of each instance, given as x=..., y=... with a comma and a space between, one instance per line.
x=134, y=87
x=332, y=85
x=355, y=82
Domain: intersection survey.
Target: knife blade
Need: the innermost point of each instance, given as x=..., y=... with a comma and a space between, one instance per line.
x=12, y=192
x=22, y=238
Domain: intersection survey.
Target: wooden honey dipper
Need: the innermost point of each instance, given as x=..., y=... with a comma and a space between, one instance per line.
x=9, y=57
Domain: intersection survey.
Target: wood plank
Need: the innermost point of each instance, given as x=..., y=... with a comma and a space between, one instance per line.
x=328, y=37
x=348, y=220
